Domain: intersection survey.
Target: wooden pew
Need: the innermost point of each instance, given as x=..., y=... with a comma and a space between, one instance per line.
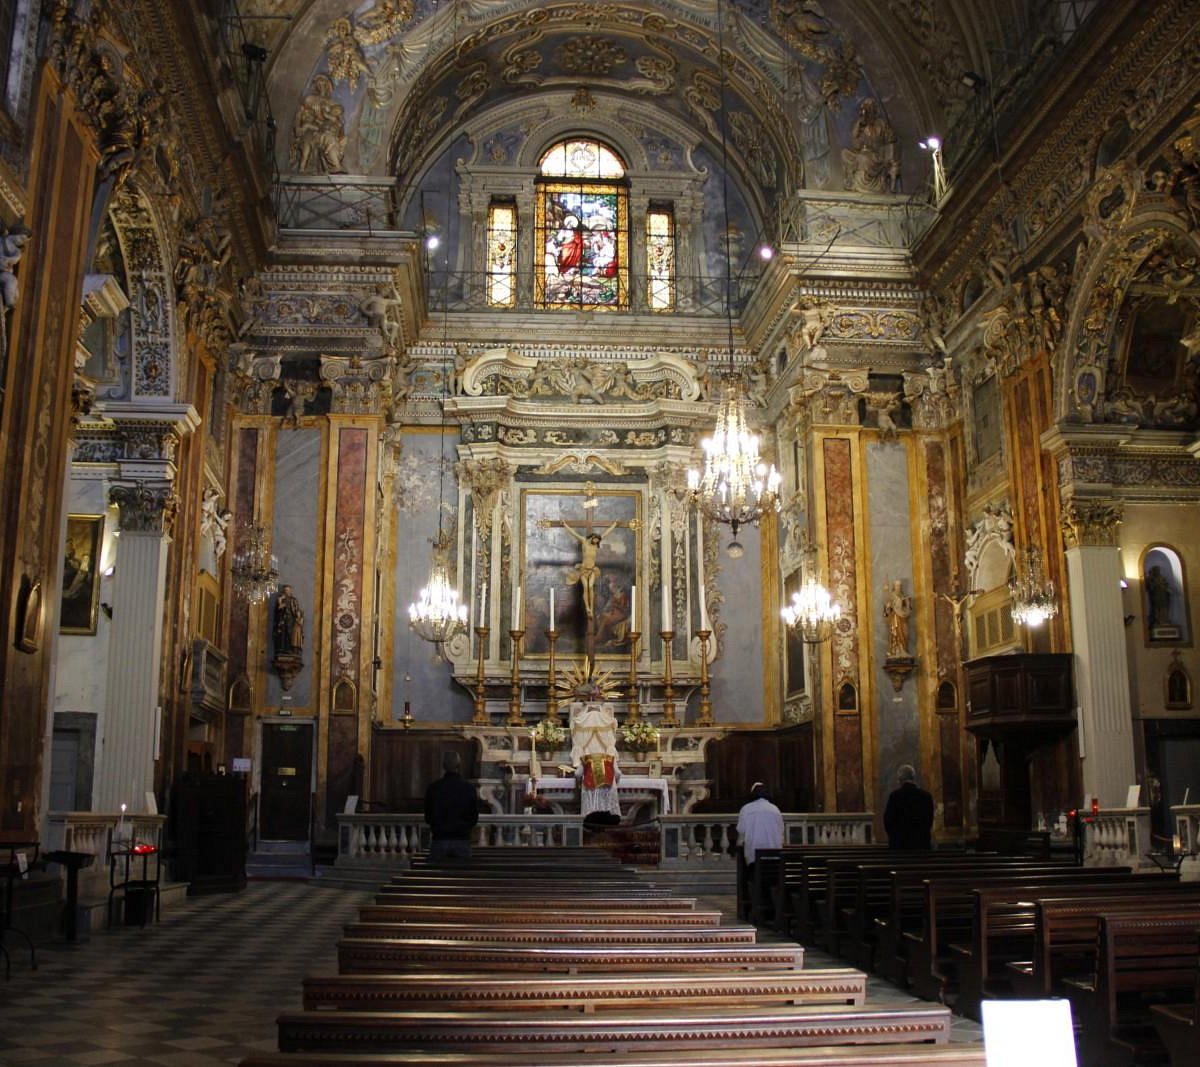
x=1004, y=929
x=888, y=1055
x=531, y=902
x=459, y=992
x=948, y=912
x=369, y=955
x=1178, y=1028
x=1065, y=930
x=801, y=879
x=505, y=914
x=496, y=1031
x=578, y=932
x=1140, y=961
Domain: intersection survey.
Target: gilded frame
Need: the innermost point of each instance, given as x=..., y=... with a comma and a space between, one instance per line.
x=81, y=574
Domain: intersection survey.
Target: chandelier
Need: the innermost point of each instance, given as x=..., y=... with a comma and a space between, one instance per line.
x=812, y=612
x=255, y=570
x=1032, y=593
x=437, y=615
x=736, y=488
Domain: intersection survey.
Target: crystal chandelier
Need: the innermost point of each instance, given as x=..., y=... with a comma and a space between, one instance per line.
x=1032, y=593
x=736, y=488
x=255, y=570
x=437, y=615
x=812, y=612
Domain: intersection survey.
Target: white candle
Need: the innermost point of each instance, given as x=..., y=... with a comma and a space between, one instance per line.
x=483, y=603
x=633, y=608
x=516, y=619
x=700, y=574
x=666, y=613
x=552, y=607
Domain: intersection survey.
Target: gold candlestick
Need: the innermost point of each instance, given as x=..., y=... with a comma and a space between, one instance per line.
x=481, y=718
x=634, y=709
x=551, y=679
x=706, y=715
x=515, y=718
x=668, y=688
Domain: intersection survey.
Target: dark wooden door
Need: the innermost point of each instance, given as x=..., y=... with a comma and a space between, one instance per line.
x=287, y=752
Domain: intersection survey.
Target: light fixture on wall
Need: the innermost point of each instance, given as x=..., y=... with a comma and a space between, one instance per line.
x=736, y=487
x=1033, y=600
x=813, y=613
x=254, y=570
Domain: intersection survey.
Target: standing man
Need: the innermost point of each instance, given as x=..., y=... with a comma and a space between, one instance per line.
x=908, y=817
x=451, y=811
x=759, y=826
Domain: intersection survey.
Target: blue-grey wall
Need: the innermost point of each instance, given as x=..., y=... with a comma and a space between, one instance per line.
x=737, y=677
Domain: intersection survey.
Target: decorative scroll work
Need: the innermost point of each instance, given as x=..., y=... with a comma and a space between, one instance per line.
x=145, y=508
x=993, y=527
x=501, y=371
x=1089, y=523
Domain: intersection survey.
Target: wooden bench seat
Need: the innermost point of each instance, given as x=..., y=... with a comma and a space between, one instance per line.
x=579, y=932
x=533, y=902
x=1065, y=930
x=503, y=915
x=370, y=955
x=464, y=991
x=1140, y=962
x=496, y=1031
x=1178, y=1027
x=1004, y=929
x=883, y=1055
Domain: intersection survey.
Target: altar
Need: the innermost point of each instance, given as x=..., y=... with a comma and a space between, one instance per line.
x=634, y=792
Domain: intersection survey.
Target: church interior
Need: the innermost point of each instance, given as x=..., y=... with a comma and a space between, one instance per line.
x=638, y=399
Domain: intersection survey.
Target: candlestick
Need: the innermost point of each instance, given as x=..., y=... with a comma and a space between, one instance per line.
x=706, y=715
x=668, y=680
x=480, y=719
x=634, y=708
x=552, y=674
x=515, y=718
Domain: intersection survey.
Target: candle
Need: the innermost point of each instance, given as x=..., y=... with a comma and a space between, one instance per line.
x=483, y=603
x=666, y=610
x=516, y=619
x=633, y=608
x=700, y=575
x=552, y=607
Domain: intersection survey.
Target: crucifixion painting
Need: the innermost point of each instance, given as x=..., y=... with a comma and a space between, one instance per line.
x=584, y=546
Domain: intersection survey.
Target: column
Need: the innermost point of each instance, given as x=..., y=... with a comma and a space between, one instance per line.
x=126, y=758
x=1101, y=657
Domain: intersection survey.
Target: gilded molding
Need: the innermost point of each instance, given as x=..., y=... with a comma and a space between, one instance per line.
x=1091, y=523
x=145, y=508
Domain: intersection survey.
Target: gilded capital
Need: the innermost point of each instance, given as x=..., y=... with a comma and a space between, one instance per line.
x=1091, y=523
x=145, y=508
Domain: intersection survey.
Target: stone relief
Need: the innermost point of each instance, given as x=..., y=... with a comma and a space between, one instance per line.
x=871, y=162
x=994, y=526
x=214, y=520
x=318, y=132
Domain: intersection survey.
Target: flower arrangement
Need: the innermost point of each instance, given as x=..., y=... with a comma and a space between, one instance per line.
x=640, y=736
x=548, y=734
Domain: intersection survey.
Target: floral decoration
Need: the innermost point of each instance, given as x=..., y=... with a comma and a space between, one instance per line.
x=640, y=736
x=548, y=734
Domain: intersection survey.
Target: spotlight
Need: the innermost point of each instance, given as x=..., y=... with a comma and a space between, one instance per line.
x=432, y=241
x=972, y=80
x=1124, y=584
x=930, y=144
x=766, y=252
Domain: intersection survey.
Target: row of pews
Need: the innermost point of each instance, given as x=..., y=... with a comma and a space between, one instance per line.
x=961, y=927
x=522, y=958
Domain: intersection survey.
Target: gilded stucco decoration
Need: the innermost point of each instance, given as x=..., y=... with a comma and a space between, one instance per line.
x=503, y=372
x=145, y=508
x=993, y=527
x=1091, y=523
x=932, y=395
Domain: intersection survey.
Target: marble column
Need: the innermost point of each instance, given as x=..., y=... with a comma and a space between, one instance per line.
x=1101, y=659
x=126, y=758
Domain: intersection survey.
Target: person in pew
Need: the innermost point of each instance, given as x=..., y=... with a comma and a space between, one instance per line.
x=451, y=810
x=759, y=826
x=908, y=817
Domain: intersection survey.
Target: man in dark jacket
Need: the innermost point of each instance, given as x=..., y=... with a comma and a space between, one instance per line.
x=908, y=817
x=451, y=810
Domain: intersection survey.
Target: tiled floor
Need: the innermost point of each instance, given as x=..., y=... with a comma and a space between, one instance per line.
x=204, y=986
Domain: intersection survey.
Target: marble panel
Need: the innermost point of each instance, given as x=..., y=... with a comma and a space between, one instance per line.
x=738, y=677
x=246, y=466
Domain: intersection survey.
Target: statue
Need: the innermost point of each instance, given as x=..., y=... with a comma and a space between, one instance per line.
x=318, y=134
x=870, y=161
x=214, y=521
x=1158, y=591
x=897, y=608
x=12, y=247
x=289, y=624
x=587, y=572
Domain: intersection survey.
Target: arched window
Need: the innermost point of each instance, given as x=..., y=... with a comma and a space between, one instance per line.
x=582, y=228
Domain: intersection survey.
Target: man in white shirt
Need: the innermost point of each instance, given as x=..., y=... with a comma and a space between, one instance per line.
x=759, y=825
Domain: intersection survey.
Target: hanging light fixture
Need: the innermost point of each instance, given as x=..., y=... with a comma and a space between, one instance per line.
x=437, y=615
x=736, y=487
x=254, y=570
x=1033, y=601
x=813, y=613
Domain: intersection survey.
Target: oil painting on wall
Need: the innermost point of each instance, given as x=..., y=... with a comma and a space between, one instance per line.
x=81, y=577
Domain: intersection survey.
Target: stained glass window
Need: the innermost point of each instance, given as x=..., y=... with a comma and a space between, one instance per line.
x=582, y=229
x=501, y=255
x=660, y=259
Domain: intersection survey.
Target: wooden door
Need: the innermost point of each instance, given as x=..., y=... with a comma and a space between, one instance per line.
x=284, y=804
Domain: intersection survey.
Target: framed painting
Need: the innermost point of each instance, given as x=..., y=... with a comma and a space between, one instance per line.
x=81, y=574
x=593, y=580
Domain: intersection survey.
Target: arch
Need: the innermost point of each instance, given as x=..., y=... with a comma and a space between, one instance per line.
x=947, y=697
x=345, y=696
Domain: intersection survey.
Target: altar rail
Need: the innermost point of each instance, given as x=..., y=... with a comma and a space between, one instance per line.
x=389, y=840
x=88, y=831
x=1186, y=843
x=1116, y=837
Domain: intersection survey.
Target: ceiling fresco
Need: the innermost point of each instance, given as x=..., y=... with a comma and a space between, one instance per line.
x=401, y=75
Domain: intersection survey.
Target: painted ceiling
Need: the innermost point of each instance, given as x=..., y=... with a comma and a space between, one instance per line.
x=409, y=74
